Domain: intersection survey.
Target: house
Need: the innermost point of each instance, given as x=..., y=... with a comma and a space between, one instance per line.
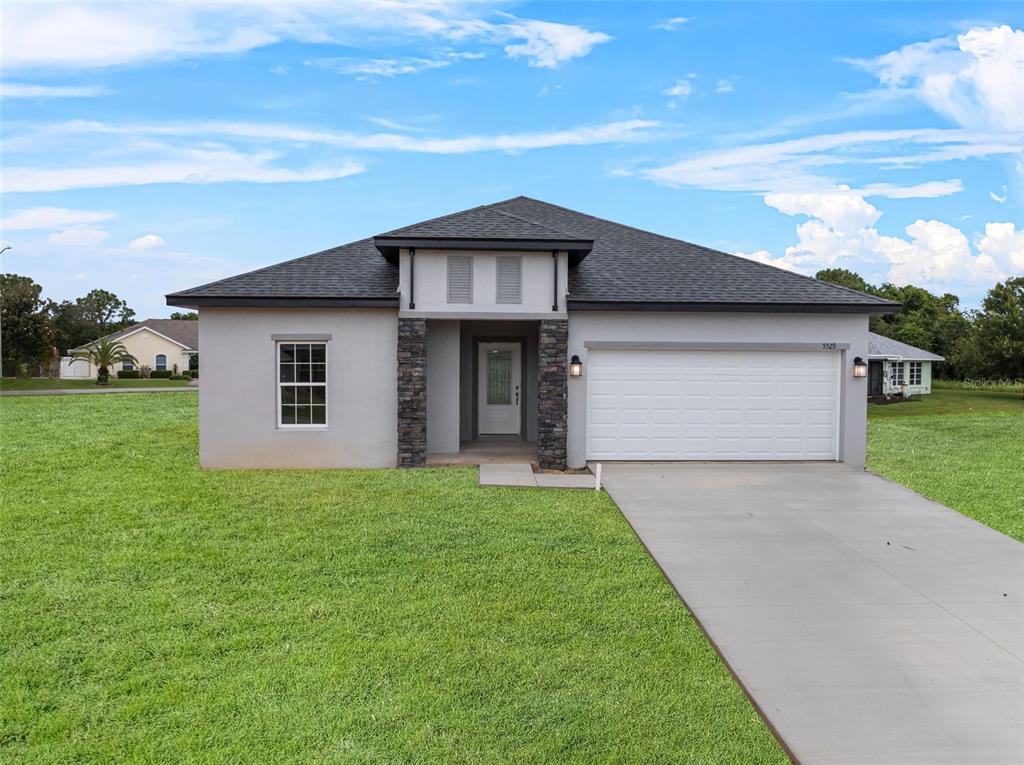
x=527, y=321
x=898, y=369
x=160, y=344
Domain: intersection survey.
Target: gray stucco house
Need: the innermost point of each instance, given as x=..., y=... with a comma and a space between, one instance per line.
x=896, y=368
x=527, y=321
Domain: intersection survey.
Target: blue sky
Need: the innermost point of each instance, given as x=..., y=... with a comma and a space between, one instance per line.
x=152, y=147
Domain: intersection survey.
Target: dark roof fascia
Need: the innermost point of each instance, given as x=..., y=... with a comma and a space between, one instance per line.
x=228, y=301
x=619, y=305
x=390, y=245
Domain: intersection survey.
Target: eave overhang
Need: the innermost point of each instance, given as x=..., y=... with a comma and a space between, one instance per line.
x=291, y=301
x=389, y=246
x=720, y=307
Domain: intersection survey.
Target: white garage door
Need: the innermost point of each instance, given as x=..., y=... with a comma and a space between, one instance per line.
x=712, y=405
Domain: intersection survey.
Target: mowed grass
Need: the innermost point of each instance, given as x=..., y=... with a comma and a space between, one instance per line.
x=53, y=383
x=963, y=448
x=152, y=612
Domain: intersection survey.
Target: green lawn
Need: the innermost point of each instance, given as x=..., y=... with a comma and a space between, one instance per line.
x=52, y=383
x=963, y=448
x=152, y=612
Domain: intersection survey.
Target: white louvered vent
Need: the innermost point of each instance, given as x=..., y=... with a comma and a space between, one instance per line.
x=510, y=280
x=460, y=278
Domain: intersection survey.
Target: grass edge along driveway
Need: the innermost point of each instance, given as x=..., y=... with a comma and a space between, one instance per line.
x=151, y=611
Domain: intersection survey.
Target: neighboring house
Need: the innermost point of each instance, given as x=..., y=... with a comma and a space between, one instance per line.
x=155, y=343
x=895, y=368
x=475, y=325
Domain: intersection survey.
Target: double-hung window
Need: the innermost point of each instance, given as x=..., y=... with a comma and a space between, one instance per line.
x=127, y=366
x=914, y=372
x=301, y=385
x=896, y=373
x=160, y=362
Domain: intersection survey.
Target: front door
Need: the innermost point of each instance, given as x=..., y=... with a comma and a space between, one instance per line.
x=500, y=378
x=875, y=378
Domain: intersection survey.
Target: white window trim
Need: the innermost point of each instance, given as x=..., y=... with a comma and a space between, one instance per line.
x=910, y=374
x=156, y=364
x=897, y=378
x=277, y=376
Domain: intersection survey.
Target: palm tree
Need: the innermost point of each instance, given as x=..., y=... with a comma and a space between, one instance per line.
x=104, y=354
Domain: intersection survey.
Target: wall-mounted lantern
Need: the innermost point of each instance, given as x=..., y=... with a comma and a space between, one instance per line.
x=575, y=366
x=860, y=367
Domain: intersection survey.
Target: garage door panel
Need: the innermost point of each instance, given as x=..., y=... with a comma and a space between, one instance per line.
x=712, y=405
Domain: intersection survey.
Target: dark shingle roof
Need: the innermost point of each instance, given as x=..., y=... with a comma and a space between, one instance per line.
x=625, y=266
x=882, y=347
x=182, y=331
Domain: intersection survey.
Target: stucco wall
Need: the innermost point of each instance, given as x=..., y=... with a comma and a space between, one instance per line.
x=443, y=387
x=431, y=284
x=592, y=326
x=238, y=394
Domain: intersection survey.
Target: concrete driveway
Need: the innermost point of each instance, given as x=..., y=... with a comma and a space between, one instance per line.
x=869, y=625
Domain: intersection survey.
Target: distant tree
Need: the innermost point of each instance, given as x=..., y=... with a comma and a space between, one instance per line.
x=105, y=311
x=995, y=345
x=70, y=329
x=185, y=315
x=844, y=278
x=24, y=323
x=932, y=322
x=103, y=354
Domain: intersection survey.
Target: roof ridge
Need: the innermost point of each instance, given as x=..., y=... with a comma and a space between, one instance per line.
x=432, y=220
x=710, y=249
x=544, y=226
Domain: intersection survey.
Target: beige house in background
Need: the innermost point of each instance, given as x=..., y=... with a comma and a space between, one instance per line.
x=159, y=344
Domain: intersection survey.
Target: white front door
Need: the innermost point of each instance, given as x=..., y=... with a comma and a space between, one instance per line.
x=500, y=394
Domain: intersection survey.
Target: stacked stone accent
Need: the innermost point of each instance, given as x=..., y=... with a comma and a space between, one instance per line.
x=412, y=392
x=551, y=393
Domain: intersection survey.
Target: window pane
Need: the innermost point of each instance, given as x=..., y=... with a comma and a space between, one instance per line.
x=287, y=353
x=499, y=377
x=302, y=395
x=319, y=394
x=302, y=415
x=302, y=354
x=319, y=373
x=287, y=373
x=287, y=395
x=319, y=414
x=302, y=372
x=318, y=354
x=287, y=415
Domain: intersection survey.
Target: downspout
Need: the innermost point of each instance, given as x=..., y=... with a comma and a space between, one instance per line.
x=412, y=278
x=554, y=260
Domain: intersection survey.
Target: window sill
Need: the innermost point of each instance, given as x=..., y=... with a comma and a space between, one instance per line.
x=302, y=428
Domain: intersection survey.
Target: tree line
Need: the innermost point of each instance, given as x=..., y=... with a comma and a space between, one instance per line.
x=35, y=331
x=983, y=343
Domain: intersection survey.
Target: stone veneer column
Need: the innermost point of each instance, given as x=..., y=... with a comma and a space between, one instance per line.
x=412, y=392
x=551, y=393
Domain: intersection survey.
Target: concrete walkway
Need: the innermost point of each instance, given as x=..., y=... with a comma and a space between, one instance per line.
x=868, y=624
x=522, y=474
x=89, y=391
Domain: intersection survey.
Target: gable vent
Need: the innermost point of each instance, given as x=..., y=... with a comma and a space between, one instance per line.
x=460, y=279
x=510, y=280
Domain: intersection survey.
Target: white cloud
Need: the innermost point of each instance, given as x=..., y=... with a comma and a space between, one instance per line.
x=145, y=242
x=1005, y=245
x=973, y=79
x=280, y=69
x=681, y=89
x=809, y=164
x=547, y=45
x=840, y=231
x=79, y=35
x=368, y=69
x=763, y=256
x=391, y=124
x=724, y=86
x=78, y=236
x=1000, y=198
x=672, y=24
x=25, y=90
x=79, y=277
x=51, y=217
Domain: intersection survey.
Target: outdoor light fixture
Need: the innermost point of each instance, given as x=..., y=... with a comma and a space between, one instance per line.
x=860, y=367
x=575, y=366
